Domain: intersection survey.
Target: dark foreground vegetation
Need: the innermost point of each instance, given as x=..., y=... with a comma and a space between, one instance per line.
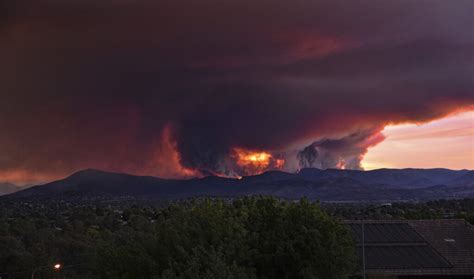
x=436, y=209
x=256, y=237
x=245, y=238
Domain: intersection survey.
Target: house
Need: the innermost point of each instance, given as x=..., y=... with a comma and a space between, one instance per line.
x=416, y=248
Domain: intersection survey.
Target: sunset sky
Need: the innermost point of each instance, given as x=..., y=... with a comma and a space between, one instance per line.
x=179, y=89
x=445, y=143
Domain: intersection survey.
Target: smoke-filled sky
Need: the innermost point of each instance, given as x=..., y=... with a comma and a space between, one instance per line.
x=181, y=88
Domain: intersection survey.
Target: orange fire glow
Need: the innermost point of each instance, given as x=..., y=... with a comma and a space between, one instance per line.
x=257, y=159
x=255, y=162
x=341, y=164
x=279, y=163
x=167, y=160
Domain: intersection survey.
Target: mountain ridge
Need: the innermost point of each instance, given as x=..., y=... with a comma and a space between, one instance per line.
x=332, y=184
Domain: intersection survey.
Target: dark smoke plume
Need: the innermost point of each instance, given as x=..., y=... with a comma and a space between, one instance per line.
x=307, y=157
x=170, y=88
x=345, y=152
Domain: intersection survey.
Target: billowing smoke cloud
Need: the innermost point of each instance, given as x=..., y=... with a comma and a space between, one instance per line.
x=171, y=88
x=308, y=157
x=346, y=152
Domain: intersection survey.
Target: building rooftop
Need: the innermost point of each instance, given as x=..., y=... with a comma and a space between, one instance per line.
x=416, y=247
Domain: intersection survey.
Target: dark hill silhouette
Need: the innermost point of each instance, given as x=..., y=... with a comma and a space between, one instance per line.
x=329, y=185
x=466, y=179
x=398, y=178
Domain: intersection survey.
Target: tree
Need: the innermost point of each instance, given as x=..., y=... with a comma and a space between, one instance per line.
x=249, y=238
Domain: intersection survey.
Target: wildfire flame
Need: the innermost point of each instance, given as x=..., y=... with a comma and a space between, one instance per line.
x=279, y=163
x=249, y=158
x=256, y=162
x=341, y=164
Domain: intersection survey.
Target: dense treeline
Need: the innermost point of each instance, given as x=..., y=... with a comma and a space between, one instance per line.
x=437, y=209
x=245, y=238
